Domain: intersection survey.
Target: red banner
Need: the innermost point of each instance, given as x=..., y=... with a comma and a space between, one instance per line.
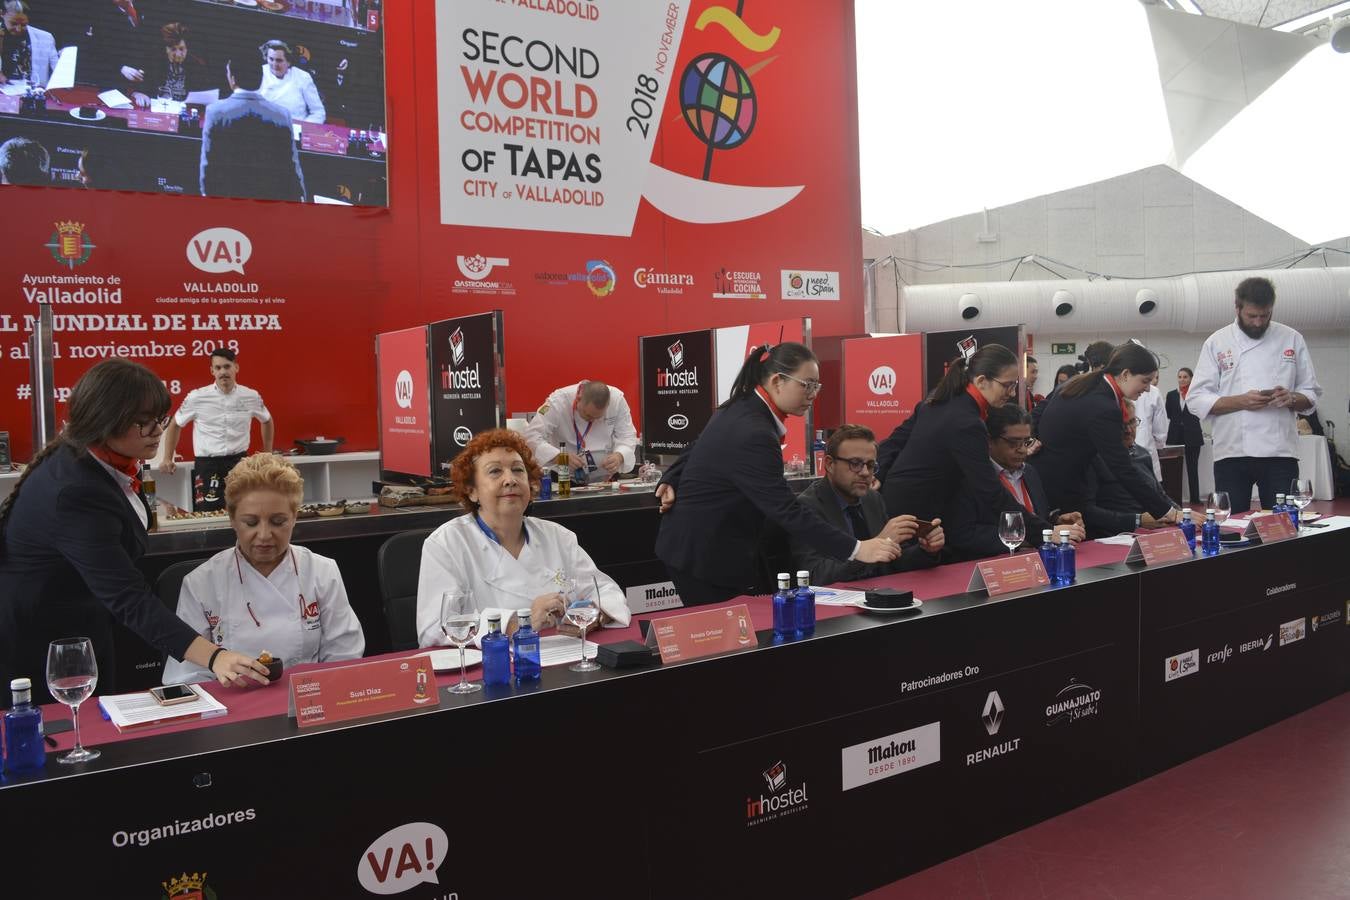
x=883, y=380
x=404, y=402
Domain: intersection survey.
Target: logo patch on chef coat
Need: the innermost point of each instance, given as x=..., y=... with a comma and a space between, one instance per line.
x=1289, y=355
x=543, y=410
x=1226, y=360
x=309, y=610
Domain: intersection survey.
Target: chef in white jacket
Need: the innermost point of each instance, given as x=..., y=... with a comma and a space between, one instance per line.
x=1251, y=380
x=593, y=421
x=1150, y=409
x=505, y=560
x=263, y=593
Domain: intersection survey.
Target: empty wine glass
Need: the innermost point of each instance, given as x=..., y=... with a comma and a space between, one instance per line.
x=459, y=623
x=1300, y=494
x=1012, y=530
x=583, y=611
x=1218, y=501
x=72, y=674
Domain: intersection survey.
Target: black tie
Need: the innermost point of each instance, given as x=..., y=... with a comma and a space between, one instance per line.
x=855, y=518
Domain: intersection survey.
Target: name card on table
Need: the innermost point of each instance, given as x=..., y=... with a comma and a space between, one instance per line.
x=1167, y=545
x=323, y=139
x=1005, y=574
x=707, y=632
x=1273, y=527
x=152, y=121
x=365, y=689
x=10, y=104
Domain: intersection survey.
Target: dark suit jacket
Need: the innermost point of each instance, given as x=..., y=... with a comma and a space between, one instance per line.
x=1110, y=508
x=948, y=448
x=110, y=42
x=1073, y=431
x=248, y=150
x=889, y=449
x=972, y=527
x=71, y=541
x=727, y=484
x=820, y=497
x=1183, y=427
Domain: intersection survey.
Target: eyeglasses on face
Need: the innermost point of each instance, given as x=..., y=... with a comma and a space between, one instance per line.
x=1009, y=387
x=857, y=464
x=1024, y=443
x=148, y=428
x=812, y=387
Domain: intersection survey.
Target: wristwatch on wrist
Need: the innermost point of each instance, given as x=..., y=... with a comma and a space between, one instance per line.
x=1138, y=521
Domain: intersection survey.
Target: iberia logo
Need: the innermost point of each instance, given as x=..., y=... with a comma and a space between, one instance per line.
x=188, y=887
x=69, y=245
x=600, y=277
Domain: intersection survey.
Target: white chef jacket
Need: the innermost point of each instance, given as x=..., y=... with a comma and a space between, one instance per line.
x=1231, y=363
x=295, y=93
x=556, y=421
x=299, y=613
x=460, y=556
x=1151, y=411
x=223, y=420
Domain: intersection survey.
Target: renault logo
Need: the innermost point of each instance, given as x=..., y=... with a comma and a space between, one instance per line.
x=993, y=713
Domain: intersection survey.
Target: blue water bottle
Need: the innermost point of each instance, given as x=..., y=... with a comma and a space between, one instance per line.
x=1067, y=560
x=1050, y=555
x=496, y=653
x=24, y=752
x=546, y=486
x=1188, y=529
x=1209, y=535
x=805, y=602
x=1280, y=506
x=1291, y=509
x=818, y=454
x=526, y=643
x=784, y=610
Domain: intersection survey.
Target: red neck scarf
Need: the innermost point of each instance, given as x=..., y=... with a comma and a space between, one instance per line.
x=125, y=464
x=1120, y=398
x=773, y=408
x=1023, y=498
x=1183, y=391
x=980, y=402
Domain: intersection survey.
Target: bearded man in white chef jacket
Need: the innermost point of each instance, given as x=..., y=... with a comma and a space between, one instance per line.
x=263, y=593
x=1253, y=378
x=593, y=421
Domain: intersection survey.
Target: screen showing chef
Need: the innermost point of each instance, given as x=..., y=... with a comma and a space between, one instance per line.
x=266, y=99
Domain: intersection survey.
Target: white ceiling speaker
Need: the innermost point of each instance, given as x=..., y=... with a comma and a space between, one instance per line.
x=970, y=306
x=1340, y=35
x=1146, y=301
x=1062, y=303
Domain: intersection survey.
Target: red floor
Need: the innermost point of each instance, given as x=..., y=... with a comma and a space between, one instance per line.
x=1265, y=818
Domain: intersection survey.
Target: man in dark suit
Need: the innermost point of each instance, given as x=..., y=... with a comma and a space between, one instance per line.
x=114, y=44
x=972, y=527
x=248, y=149
x=845, y=499
x=1110, y=508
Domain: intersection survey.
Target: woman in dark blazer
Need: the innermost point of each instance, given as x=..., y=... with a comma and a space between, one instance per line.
x=948, y=445
x=75, y=525
x=1085, y=419
x=730, y=484
x=1183, y=427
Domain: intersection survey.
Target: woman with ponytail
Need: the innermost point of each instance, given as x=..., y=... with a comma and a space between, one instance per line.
x=1085, y=419
x=948, y=444
x=730, y=483
x=73, y=528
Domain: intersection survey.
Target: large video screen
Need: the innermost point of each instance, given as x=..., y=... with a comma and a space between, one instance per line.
x=266, y=99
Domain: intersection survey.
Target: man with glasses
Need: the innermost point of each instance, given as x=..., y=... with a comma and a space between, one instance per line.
x=972, y=527
x=845, y=499
x=224, y=412
x=1110, y=508
x=594, y=423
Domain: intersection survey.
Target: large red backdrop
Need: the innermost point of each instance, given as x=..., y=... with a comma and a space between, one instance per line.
x=321, y=281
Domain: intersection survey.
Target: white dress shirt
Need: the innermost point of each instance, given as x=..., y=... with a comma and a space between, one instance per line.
x=459, y=556
x=557, y=421
x=1014, y=477
x=296, y=93
x=124, y=482
x=1151, y=411
x=1232, y=363
x=299, y=613
x=223, y=420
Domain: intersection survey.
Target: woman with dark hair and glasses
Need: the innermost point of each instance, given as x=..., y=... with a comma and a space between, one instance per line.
x=75, y=525
x=1085, y=420
x=730, y=483
x=948, y=446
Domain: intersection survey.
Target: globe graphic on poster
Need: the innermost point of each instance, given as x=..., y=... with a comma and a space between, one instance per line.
x=718, y=102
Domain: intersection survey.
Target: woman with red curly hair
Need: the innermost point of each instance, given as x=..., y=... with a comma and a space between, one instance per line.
x=506, y=560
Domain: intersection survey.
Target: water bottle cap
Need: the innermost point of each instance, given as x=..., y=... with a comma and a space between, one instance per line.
x=523, y=615
x=782, y=575
x=803, y=574
x=21, y=684
x=495, y=617
x=1049, y=532
x=1209, y=512
x=1063, y=534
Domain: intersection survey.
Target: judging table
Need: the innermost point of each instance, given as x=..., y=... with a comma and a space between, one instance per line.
x=821, y=767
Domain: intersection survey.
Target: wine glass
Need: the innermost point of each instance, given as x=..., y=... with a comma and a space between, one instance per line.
x=1012, y=530
x=583, y=611
x=1218, y=501
x=1300, y=494
x=459, y=623
x=72, y=673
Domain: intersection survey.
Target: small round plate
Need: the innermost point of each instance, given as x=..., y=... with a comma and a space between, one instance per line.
x=1241, y=542
x=1310, y=517
x=99, y=115
x=448, y=660
x=890, y=611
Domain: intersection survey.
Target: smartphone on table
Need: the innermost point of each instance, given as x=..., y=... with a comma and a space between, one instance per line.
x=170, y=694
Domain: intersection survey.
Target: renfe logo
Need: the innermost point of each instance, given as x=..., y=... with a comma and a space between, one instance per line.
x=403, y=858
x=891, y=755
x=403, y=389
x=218, y=250
x=882, y=381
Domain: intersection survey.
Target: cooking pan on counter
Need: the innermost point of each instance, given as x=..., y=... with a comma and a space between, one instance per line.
x=319, y=446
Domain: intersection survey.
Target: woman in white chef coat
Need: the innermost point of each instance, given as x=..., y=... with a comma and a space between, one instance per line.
x=506, y=560
x=262, y=593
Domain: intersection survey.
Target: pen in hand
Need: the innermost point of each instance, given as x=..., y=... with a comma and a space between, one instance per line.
x=51, y=741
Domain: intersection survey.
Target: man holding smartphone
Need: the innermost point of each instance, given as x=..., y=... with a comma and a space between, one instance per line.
x=1252, y=379
x=845, y=499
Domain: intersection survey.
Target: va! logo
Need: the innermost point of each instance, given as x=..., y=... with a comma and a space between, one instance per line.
x=402, y=858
